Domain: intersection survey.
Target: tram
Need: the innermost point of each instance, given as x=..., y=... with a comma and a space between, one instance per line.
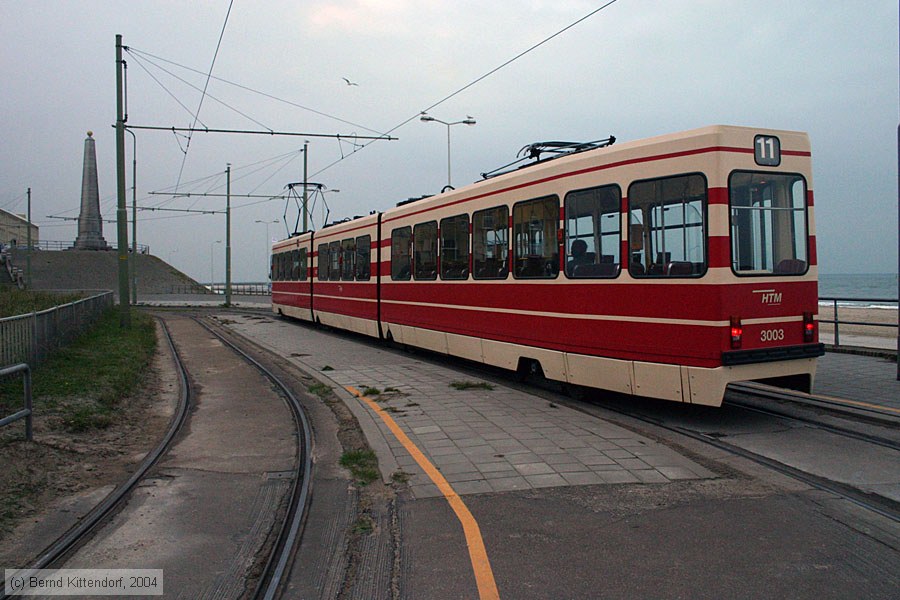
x=667, y=267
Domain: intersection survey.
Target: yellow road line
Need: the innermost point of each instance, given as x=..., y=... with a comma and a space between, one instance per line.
x=856, y=403
x=484, y=576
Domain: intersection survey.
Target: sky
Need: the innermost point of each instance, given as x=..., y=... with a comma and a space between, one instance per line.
x=635, y=69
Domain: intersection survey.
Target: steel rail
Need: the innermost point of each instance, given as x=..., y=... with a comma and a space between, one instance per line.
x=273, y=575
x=842, y=431
x=72, y=538
x=885, y=507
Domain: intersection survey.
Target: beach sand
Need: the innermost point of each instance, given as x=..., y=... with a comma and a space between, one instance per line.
x=859, y=315
x=861, y=336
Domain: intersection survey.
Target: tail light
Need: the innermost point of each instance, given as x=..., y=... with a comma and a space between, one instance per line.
x=737, y=332
x=809, y=327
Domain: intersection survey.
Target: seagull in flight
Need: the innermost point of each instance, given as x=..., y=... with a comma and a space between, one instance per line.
x=349, y=82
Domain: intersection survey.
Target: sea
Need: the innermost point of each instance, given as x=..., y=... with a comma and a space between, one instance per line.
x=869, y=290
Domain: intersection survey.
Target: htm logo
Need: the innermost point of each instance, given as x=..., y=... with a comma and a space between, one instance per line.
x=769, y=297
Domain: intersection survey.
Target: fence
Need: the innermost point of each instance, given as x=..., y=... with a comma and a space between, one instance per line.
x=237, y=289
x=30, y=338
x=26, y=413
x=836, y=321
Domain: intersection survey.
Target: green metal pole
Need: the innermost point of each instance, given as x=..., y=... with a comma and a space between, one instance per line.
x=132, y=261
x=121, y=212
x=228, y=235
x=28, y=250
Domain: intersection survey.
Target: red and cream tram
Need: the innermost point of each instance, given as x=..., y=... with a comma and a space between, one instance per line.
x=666, y=267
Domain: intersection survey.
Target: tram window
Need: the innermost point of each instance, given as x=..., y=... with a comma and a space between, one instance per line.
x=490, y=243
x=535, y=245
x=282, y=271
x=323, y=262
x=295, y=265
x=348, y=257
x=301, y=261
x=273, y=268
x=455, y=247
x=400, y=242
x=667, y=227
x=363, y=257
x=425, y=246
x=593, y=232
x=334, y=263
x=768, y=224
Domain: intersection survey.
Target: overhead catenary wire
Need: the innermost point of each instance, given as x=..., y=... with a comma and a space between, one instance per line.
x=471, y=83
x=134, y=51
x=356, y=146
x=203, y=95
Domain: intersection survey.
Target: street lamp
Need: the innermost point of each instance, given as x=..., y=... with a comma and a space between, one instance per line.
x=212, y=281
x=467, y=121
x=268, y=239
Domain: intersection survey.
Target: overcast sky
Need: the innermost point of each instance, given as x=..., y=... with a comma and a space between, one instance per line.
x=638, y=68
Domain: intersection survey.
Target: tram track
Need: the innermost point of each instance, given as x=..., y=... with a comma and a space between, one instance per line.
x=277, y=565
x=96, y=517
x=877, y=504
x=271, y=578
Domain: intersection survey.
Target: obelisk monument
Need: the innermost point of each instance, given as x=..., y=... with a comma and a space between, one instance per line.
x=90, y=225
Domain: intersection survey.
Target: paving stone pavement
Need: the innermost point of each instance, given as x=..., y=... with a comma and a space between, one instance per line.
x=482, y=440
x=868, y=379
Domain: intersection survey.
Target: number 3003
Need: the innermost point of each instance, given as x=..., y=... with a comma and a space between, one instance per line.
x=771, y=335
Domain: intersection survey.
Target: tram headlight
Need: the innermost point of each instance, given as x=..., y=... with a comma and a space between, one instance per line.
x=737, y=332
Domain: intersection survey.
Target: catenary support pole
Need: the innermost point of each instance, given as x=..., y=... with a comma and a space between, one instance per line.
x=28, y=250
x=305, y=195
x=121, y=213
x=228, y=235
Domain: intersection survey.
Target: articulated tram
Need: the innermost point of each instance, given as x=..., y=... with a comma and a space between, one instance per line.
x=667, y=267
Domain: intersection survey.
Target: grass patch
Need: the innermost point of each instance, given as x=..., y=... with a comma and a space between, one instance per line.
x=400, y=476
x=471, y=385
x=328, y=368
x=362, y=464
x=364, y=525
x=14, y=302
x=371, y=391
x=319, y=389
x=84, y=382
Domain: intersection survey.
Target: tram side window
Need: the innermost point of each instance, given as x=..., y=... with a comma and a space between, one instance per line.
x=363, y=257
x=593, y=232
x=273, y=268
x=295, y=265
x=334, y=264
x=282, y=272
x=768, y=224
x=348, y=251
x=535, y=246
x=400, y=243
x=490, y=243
x=667, y=227
x=455, y=247
x=425, y=246
x=324, y=261
x=301, y=264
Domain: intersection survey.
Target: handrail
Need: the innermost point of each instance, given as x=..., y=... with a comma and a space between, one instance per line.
x=27, y=412
x=837, y=321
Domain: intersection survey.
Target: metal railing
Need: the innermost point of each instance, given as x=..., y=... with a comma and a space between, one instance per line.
x=837, y=322
x=56, y=245
x=27, y=412
x=30, y=338
x=237, y=289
